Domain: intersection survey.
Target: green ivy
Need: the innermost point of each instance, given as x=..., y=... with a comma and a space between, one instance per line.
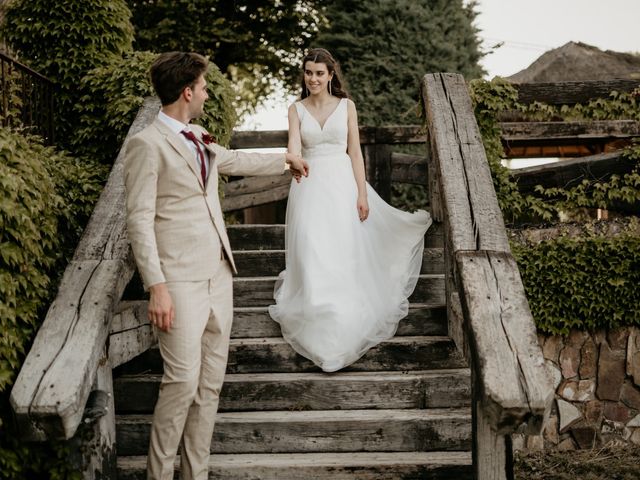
x=115, y=93
x=588, y=282
x=46, y=197
x=548, y=204
x=64, y=40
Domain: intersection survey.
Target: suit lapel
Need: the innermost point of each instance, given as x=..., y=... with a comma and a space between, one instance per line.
x=179, y=146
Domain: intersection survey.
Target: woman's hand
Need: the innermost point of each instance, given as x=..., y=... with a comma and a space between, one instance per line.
x=363, y=207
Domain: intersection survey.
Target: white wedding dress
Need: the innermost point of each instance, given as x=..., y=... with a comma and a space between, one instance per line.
x=346, y=283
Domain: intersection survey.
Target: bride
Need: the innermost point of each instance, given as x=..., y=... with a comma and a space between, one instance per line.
x=352, y=260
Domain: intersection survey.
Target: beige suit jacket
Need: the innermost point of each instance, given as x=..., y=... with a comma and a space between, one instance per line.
x=174, y=222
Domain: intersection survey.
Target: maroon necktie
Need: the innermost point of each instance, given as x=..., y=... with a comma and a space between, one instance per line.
x=203, y=171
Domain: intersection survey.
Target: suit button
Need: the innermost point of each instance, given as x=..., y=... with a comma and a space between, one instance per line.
x=204, y=194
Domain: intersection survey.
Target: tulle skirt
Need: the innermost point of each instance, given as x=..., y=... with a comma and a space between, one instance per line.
x=346, y=283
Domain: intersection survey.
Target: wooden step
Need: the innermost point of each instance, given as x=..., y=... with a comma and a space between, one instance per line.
x=315, y=391
x=323, y=466
x=265, y=355
x=320, y=431
x=258, y=291
x=260, y=263
x=271, y=237
x=423, y=319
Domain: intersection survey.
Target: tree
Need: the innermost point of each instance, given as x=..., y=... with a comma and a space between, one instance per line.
x=385, y=47
x=254, y=42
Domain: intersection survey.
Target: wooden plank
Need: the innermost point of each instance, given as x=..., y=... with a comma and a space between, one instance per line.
x=239, y=202
x=258, y=291
x=324, y=466
x=248, y=185
x=315, y=391
x=101, y=446
x=274, y=355
x=492, y=452
x=320, y=431
x=515, y=386
x=131, y=334
x=398, y=134
x=568, y=173
x=568, y=93
x=447, y=160
x=409, y=169
x=255, y=322
x=573, y=133
x=53, y=385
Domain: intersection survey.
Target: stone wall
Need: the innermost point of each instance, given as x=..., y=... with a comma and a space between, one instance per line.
x=597, y=380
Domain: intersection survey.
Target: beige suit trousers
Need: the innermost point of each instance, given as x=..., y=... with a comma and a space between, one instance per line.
x=194, y=352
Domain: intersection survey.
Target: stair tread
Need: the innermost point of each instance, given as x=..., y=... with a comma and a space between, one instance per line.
x=265, y=309
x=408, y=339
x=323, y=416
x=355, y=459
x=321, y=376
x=274, y=277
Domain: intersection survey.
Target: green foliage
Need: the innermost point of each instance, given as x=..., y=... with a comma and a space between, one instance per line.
x=492, y=98
x=66, y=39
x=117, y=90
x=253, y=43
x=588, y=282
x=385, y=47
x=46, y=197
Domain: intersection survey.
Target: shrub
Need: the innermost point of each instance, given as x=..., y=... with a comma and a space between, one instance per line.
x=115, y=92
x=64, y=40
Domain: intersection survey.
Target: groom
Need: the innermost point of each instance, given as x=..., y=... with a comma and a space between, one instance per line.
x=177, y=233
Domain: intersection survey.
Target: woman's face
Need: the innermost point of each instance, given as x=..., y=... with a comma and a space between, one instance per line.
x=316, y=77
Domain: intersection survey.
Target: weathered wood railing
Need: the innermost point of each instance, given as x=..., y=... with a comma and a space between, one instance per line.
x=66, y=378
x=488, y=313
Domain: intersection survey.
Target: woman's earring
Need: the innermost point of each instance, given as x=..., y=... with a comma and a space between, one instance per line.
x=307, y=89
x=330, y=88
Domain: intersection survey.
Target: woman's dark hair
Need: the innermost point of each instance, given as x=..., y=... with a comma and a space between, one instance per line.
x=320, y=55
x=172, y=72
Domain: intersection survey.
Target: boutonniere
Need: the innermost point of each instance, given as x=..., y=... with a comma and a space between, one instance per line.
x=207, y=139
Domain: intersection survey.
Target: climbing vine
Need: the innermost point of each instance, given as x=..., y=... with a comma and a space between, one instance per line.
x=491, y=98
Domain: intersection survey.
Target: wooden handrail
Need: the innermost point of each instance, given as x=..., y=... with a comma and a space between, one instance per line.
x=489, y=316
x=51, y=391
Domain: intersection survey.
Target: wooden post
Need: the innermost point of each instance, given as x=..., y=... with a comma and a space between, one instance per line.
x=377, y=161
x=93, y=449
x=492, y=453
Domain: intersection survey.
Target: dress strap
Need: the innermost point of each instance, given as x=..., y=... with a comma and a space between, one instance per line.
x=300, y=110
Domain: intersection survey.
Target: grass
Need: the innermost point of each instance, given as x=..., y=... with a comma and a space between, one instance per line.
x=613, y=461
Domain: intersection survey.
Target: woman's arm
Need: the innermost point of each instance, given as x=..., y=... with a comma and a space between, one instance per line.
x=294, y=145
x=357, y=162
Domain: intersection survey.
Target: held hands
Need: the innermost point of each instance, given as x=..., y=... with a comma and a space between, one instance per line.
x=297, y=166
x=161, y=311
x=363, y=207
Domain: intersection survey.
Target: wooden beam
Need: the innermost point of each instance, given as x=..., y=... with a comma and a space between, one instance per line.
x=397, y=134
x=568, y=133
x=238, y=202
x=409, y=169
x=248, y=185
x=53, y=385
x=568, y=173
x=466, y=186
x=130, y=334
x=567, y=93
x=502, y=337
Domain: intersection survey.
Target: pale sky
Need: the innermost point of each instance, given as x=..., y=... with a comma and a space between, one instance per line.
x=527, y=29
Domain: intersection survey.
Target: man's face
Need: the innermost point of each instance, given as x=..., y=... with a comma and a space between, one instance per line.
x=198, y=97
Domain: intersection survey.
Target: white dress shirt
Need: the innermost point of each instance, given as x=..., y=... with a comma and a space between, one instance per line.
x=177, y=127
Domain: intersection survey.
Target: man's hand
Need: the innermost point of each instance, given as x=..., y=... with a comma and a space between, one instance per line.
x=161, y=311
x=297, y=166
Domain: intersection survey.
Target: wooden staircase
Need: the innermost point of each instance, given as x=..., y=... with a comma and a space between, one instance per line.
x=402, y=411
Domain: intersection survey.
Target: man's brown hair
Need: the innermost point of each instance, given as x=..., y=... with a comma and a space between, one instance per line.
x=172, y=72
